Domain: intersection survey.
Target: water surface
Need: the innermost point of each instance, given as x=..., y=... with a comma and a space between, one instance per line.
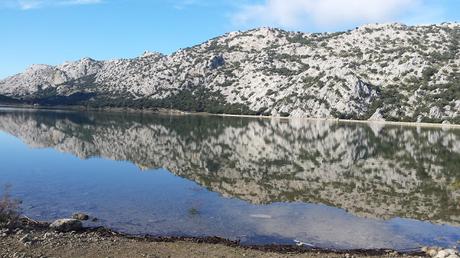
x=329, y=184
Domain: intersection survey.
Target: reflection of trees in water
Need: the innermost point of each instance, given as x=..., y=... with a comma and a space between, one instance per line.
x=370, y=170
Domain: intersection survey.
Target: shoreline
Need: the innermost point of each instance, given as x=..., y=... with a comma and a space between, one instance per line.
x=39, y=238
x=163, y=111
x=413, y=124
x=35, y=235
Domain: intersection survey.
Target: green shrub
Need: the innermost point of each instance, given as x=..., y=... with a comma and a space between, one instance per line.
x=428, y=72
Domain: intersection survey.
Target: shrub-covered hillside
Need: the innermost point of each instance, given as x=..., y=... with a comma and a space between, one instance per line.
x=378, y=72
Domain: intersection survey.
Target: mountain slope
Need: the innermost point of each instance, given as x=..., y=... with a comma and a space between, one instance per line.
x=377, y=72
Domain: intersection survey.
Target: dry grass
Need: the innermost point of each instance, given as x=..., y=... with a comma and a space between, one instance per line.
x=9, y=209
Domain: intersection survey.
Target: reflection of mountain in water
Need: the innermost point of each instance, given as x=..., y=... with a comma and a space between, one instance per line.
x=381, y=171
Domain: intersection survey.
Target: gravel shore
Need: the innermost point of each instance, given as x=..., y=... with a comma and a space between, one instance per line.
x=39, y=240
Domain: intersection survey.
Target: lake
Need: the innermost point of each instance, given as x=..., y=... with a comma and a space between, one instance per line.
x=326, y=183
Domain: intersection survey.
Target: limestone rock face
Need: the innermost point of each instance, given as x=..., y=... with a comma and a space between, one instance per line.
x=377, y=116
x=408, y=73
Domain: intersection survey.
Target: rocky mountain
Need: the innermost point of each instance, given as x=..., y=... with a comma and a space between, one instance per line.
x=369, y=170
x=377, y=72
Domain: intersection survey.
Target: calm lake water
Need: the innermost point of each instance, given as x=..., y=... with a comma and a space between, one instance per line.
x=329, y=184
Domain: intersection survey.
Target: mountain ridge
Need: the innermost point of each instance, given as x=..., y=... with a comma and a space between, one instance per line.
x=375, y=72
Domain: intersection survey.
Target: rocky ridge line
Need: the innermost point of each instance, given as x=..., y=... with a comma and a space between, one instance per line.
x=377, y=72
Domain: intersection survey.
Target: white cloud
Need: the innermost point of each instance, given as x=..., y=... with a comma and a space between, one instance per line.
x=328, y=14
x=34, y=4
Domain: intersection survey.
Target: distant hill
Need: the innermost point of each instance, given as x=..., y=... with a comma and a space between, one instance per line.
x=378, y=72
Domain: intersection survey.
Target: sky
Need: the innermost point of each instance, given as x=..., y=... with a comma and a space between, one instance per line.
x=55, y=31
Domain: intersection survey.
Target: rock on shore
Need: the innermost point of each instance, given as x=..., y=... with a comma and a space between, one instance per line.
x=66, y=225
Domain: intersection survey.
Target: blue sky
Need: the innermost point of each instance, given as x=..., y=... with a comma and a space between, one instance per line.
x=54, y=31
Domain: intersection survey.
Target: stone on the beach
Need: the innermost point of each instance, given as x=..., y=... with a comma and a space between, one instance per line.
x=80, y=216
x=66, y=225
x=26, y=238
x=3, y=232
x=447, y=253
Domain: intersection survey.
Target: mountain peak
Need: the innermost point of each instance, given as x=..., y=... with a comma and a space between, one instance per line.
x=37, y=67
x=150, y=54
x=402, y=73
